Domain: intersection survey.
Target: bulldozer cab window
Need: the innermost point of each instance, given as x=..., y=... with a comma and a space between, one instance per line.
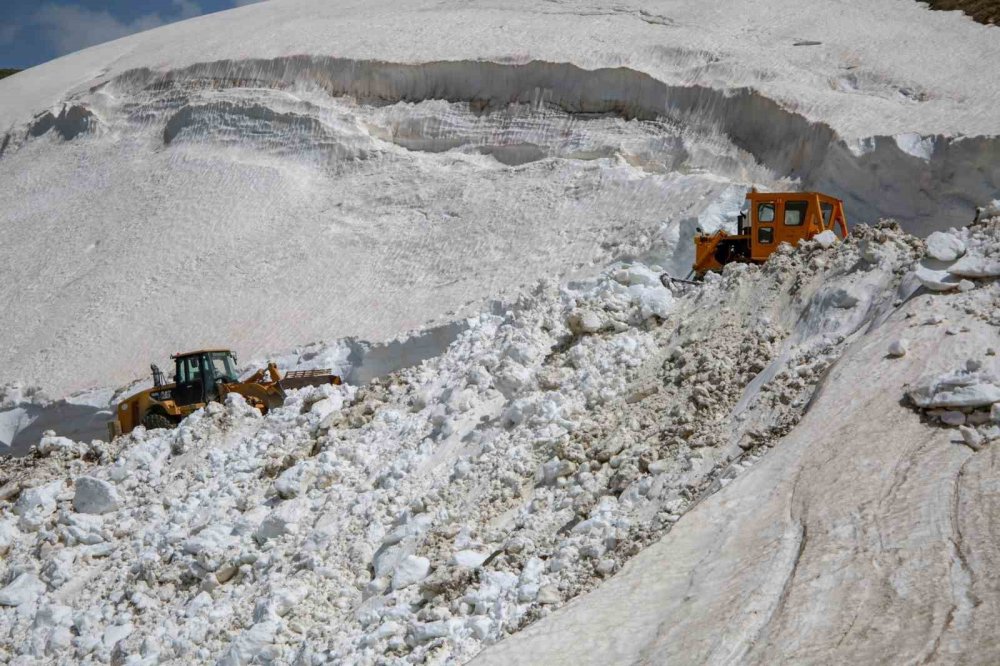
x=795, y=213
x=224, y=367
x=827, y=214
x=765, y=212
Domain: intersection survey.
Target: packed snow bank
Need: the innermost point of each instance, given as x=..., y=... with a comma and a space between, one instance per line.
x=448, y=505
x=883, y=176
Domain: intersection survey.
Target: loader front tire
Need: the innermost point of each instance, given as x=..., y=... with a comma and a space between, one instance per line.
x=153, y=420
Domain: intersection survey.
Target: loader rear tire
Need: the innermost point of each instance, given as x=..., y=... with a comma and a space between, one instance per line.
x=153, y=420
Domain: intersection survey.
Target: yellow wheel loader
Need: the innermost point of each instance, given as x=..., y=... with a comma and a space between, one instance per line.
x=205, y=376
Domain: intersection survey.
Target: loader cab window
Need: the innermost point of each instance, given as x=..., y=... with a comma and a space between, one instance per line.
x=190, y=389
x=795, y=213
x=765, y=212
x=224, y=367
x=188, y=370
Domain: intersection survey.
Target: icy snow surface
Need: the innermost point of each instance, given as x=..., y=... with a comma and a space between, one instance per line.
x=756, y=470
x=749, y=432
x=296, y=171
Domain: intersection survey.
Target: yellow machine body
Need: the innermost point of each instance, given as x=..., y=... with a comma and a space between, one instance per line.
x=204, y=376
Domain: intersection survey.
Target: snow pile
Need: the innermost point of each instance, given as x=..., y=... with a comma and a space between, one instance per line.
x=859, y=493
x=967, y=397
x=446, y=505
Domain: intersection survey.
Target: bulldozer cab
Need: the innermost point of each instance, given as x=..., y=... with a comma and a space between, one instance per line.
x=769, y=219
x=197, y=375
x=777, y=218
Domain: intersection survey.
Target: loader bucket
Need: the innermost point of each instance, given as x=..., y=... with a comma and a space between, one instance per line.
x=299, y=378
x=267, y=396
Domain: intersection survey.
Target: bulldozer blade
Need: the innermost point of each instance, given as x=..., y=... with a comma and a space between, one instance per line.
x=298, y=378
x=665, y=278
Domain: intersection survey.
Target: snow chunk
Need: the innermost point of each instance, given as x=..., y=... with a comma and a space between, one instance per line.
x=952, y=417
x=826, y=239
x=898, y=348
x=935, y=280
x=116, y=633
x=8, y=535
x=25, y=588
x=327, y=406
x=971, y=437
x=554, y=469
x=585, y=322
x=39, y=500
x=250, y=644
x=841, y=298
x=469, y=558
x=295, y=480
x=944, y=246
x=411, y=569
x=913, y=144
x=283, y=520
x=51, y=443
x=95, y=496
x=974, y=266
x=962, y=388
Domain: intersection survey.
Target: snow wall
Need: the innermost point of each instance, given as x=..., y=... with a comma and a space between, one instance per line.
x=927, y=182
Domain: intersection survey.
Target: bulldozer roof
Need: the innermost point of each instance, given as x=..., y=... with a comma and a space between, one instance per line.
x=754, y=194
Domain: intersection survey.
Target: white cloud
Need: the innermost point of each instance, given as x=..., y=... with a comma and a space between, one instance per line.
x=70, y=27
x=241, y=3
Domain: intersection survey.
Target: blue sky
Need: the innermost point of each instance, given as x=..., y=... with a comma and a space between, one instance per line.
x=33, y=31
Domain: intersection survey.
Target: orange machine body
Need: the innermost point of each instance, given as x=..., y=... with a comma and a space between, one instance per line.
x=772, y=218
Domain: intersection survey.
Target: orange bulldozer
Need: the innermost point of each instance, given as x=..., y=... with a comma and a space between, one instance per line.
x=772, y=218
x=205, y=376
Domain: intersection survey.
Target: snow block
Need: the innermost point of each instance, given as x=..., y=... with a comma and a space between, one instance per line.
x=41, y=499
x=974, y=266
x=957, y=389
x=944, y=246
x=94, y=496
x=469, y=558
x=25, y=588
x=826, y=239
x=935, y=280
x=898, y=348
x=411, y=569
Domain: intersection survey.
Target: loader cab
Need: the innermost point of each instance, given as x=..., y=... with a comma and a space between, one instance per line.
x=197, y=375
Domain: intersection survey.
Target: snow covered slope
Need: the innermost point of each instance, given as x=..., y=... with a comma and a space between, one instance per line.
x=867, y=536
x=755, y=433
x=301, y=170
